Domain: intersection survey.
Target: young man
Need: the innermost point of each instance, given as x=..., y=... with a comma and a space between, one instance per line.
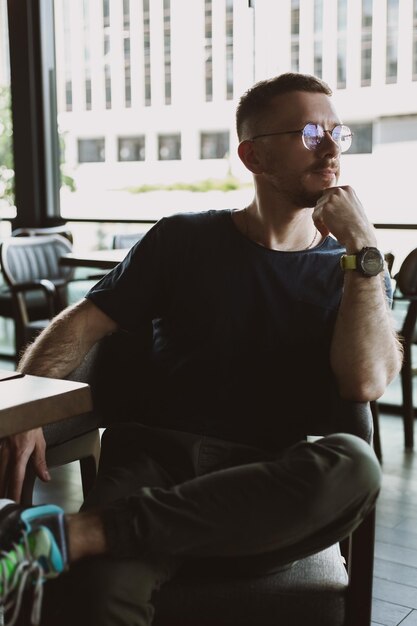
x=262, y=318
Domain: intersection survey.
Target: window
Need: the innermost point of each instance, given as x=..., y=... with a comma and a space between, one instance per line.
x=87, y=55
x=414, y=60
x=131, y=148
x=6, y=147
x=366, y=53
x=126, y=52
x=295, y=35
x=341, y=43
x=229, y=49
x=147, y=52
x=318, y=38
x=67, y=55
x=362, y=138
x=167, y=50
x=91, y=150
x=208, y=49
x=107, y=52
x=318, y=58
x=214, y=145
x=392, y=42
x=169, y=147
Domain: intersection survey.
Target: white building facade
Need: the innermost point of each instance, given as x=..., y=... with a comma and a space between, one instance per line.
x=147, y=89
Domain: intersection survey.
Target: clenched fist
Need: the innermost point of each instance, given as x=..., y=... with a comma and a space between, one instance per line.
x=339, y=212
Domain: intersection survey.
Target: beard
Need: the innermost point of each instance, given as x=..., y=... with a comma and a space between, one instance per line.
x=303, y=197
x=297, y=191
x=297, y=194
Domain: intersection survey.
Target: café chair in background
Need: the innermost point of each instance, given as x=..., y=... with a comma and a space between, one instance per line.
x=405, y=317
x=126, y=240
x=35, y=301
x=405, y=313
x=30, y=265
x=32, y=231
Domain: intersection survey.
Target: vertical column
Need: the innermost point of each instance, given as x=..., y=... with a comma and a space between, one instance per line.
x=272, y=37
x=187, y=54
x=330, y=42
x=35, y=137
x=187, y=73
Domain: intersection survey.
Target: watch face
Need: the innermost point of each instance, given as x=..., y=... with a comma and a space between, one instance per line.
x=372, y=262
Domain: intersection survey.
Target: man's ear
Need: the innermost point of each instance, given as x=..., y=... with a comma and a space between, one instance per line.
x=248, y=154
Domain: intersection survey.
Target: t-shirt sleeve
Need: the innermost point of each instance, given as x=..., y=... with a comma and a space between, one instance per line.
x=134, y=292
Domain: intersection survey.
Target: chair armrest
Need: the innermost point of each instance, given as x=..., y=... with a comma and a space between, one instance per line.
x=44, y=285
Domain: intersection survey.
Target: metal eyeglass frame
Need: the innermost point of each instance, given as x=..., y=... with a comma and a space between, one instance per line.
x=319, y=136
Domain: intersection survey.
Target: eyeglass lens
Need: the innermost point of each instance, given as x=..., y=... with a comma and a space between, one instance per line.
x=314, y=133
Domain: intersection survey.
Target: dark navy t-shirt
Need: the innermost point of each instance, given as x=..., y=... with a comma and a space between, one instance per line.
x=241, y=333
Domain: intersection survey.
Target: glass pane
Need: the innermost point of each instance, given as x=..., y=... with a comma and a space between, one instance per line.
x=7, y=208
x=133, y=104
x=214, y=145
x=392, y=41
x=146, y=98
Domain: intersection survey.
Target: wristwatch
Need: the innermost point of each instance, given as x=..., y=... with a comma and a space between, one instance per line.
x=368, y=262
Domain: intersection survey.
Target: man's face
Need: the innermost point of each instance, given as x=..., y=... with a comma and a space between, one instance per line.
x=299, y=175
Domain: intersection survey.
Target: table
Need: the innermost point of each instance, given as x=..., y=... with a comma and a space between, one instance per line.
x=31, y=401
x=99, y=259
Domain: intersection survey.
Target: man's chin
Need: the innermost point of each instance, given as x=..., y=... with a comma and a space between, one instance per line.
x=310, y=199
x=312, y=195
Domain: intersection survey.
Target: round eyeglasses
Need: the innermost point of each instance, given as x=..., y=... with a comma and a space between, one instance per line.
x=313, y=135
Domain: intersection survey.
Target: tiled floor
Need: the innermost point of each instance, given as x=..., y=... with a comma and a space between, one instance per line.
x=395, y=581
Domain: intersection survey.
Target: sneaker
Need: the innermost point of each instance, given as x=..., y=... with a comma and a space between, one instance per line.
x=34, y=550
x=14, y=518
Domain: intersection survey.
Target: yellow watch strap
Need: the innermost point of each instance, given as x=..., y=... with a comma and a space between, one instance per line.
x=348, y=262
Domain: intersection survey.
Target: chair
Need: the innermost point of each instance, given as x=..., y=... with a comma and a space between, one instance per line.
x=126, y=240
x=389, y=260
x=406, y=293
x=35, y=301
x=316, y=590
x=30, y=231
x=31, y=265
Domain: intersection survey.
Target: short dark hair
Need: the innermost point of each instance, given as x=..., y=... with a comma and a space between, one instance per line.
x=256, y=100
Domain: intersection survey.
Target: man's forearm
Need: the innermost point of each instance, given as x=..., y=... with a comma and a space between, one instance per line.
x=62, y=346
x=56, y=352
x=365, y=353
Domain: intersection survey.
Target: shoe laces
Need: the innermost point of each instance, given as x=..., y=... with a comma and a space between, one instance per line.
x=13, y=585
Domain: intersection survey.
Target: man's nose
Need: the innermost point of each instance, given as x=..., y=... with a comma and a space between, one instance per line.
x=328, y=145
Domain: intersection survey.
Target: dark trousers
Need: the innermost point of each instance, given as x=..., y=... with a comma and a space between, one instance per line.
x=173, y=500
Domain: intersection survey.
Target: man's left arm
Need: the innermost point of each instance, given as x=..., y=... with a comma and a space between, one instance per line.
x=365, y=353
